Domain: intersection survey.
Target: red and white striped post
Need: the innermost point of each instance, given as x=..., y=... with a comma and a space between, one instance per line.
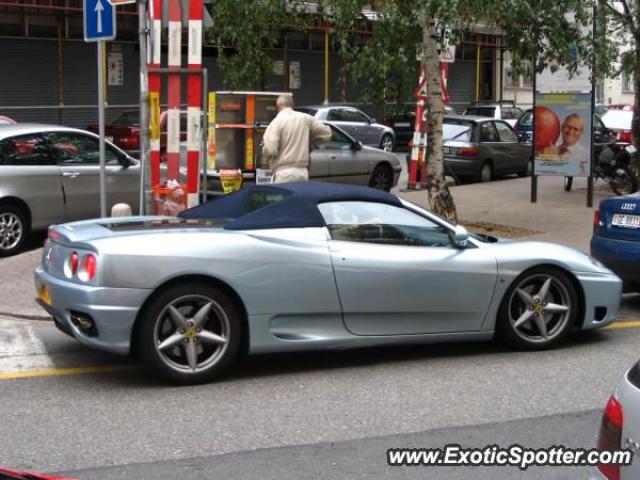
x=155, y=83
x=419, y=94
x=173, y=91
x=194, y=100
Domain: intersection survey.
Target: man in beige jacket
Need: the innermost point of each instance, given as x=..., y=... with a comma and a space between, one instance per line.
x=288, y=139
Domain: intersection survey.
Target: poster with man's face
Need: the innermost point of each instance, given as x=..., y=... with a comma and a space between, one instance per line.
x=562, y=134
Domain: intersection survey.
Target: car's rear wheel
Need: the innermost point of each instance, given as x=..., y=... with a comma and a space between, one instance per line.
x=528, y=170
x=538, y=310
x=14, y=229
x=382, y=178
x=386, y=143
x=623, y=182
x=486, y=172
x=190, y=333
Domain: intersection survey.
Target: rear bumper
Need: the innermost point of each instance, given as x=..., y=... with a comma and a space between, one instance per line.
x=113, y=310
x=464, y=167
x=623, y=257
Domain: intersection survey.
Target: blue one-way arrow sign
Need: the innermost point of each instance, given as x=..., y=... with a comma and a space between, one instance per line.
x=99, y=20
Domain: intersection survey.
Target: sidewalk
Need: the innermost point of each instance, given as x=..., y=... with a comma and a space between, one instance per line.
x=503, y=205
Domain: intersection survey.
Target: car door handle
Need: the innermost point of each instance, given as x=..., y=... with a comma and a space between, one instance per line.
x=70, y=174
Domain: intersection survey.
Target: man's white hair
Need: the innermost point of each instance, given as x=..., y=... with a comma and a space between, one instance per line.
x=284, y=101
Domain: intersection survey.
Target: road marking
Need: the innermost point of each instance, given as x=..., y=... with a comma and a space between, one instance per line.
x=20, y=348
x=53, y=372
x=623, y=324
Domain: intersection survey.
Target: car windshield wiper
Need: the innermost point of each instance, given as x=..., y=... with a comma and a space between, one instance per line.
x=458, y=135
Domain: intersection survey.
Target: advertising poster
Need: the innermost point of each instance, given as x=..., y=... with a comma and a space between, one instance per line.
x=294, y=75
x=115, y=69
x=562, y=134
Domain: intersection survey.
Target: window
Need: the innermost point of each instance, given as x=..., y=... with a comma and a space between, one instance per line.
x=77, y=149
x=259, y=199
x=505, y=132
x=379, y=223
x=457, y=131
x=339, y=141
x=355, y=116
x=25, y=150
x=488, y=132
x=127, y=119
x=336, y=115
x=527, y=118
x=627, y=82
x=481, y=111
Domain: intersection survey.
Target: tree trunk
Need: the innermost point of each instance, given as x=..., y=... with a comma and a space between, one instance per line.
x=440, y=199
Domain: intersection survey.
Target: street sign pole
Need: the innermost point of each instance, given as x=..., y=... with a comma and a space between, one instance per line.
x=143, y=37
x=103, y=176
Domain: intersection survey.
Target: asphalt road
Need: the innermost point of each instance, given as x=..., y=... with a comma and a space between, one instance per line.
x=312, y=415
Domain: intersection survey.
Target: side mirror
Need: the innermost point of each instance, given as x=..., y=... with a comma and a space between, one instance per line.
x=357, y=145
x=460, y=237
x=125, y=162
x=372, y=120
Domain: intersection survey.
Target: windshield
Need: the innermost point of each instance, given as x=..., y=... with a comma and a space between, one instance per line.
x=127, y=119
x=481, y=111
x=618, y=119
x=526, y=119
x=457, y=131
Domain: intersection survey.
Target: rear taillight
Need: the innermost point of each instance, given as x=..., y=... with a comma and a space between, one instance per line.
x=71, y=265
x=624, y=136
x=88, y=268
x=53, y=235
x=467, y=152
x=130, y=141
x=610, y=437
x=597, y=221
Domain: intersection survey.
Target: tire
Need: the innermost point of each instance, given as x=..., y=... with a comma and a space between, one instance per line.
x=623, y=182
x=568, y=183
x=14, y=229
x=381, y=178
x=527, y=170
x=486, y=172
x=523, y=313
x=386, y=143
x=190, y=357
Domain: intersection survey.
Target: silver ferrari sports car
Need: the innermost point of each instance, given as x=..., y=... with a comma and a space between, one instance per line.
x=301, y=266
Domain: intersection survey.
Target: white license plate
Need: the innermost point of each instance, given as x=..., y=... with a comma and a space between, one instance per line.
x=446, y=150
x=402, y=124
x=625, y=220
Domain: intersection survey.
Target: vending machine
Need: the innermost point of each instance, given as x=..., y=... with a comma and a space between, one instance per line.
x=237, y=122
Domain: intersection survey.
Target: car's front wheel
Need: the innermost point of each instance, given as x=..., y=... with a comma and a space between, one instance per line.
x=14, y=229
x=538, y=310
x=190, y=333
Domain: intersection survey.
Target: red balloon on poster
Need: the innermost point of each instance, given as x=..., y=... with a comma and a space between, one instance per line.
x=547, y=127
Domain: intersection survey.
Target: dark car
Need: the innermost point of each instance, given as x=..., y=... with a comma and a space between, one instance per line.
x=601, y=134
x=124, y=131
x=403, y=125
x=482, y=148
x=356, y=123
x=616, y=237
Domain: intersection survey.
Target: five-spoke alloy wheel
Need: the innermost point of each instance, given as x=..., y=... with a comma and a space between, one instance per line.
x=190, y=333
x=13, y=230
x=539, y=309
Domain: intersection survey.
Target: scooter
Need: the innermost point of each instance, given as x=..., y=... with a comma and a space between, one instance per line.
x=613, y=165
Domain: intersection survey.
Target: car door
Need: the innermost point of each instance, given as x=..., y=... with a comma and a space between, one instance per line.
x=78, y=158
x=515, y=154
x=398, y=274
x=347, y=162
x=28, y=171
x=367, y=133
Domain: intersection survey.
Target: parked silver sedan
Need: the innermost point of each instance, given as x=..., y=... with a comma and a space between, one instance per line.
x=356, y=123
x=304, y=266
x=51, y=174
x=343, y=159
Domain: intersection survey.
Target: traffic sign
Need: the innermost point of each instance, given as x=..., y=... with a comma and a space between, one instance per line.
x=99, y=20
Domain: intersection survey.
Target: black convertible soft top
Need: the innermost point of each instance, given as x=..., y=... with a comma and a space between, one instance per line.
x=283, y=205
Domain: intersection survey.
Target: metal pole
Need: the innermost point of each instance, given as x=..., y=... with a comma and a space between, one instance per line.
x=478, y=73
x=144, y=104
x=103, y=177
x=326, y=66
x=534, y=177
x=593, y=100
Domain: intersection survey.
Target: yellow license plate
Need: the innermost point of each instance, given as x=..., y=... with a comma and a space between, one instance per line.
x=44, y=294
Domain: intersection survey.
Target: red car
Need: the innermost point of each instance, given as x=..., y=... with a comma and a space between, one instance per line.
x=124, y=131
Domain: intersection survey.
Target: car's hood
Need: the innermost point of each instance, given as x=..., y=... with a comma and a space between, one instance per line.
x=381, y=154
